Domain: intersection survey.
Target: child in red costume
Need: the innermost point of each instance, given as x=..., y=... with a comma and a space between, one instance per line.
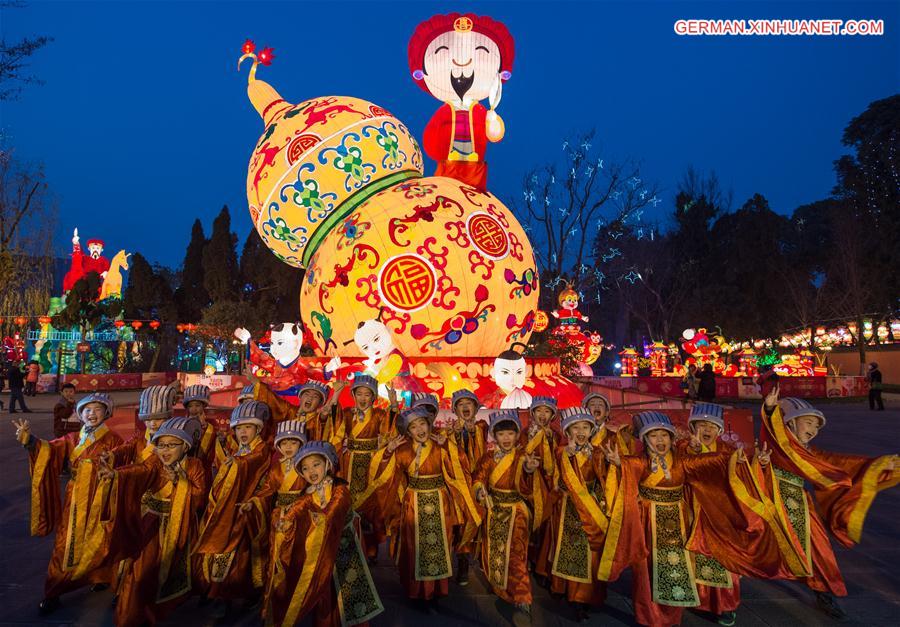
x=461, y=60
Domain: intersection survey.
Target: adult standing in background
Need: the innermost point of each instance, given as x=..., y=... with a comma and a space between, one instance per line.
x=32, y=374
x=874, y=379
x=706, y=389
x=16, y=380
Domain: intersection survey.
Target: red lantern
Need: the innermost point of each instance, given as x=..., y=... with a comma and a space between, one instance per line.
x=44, y=319
x=21, y=321
x=180, y=327
x=191, y=327
x=137, y=324
x=541, y=321
x=1, y=320
x=119, y=324
x=154, y=324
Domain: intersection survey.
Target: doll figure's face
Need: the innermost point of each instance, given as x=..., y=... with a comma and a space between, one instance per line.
x=363, y=397
x=419, y=430
x=461, y=66
x=195, y=408
x=509, y=374
x=465, y=409
x=570, y=303
x=170, y=449
x=706, y=431
x=245, y=433
x=659, y=441
x=543, y=415
x=152, y=425
x=95, y=250
x=506, y=439
x=288, y=447
x=374, y=339
x=287, y=339
x=93, y=414
x=314, y=469
x=309, y=401
x=580, y=432
x=598, y=409
x=805, y=428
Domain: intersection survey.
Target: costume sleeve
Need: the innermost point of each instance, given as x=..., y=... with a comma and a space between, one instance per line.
x=337, y=432
x=280, y=408
x=459, y=481
x=436, y=137
x=844, y=509
x=593, y=518
x=261, y=358
x=125, y=453
x=625, y=542
x=533, y=486
x=735, y=521
x=45, y=460
x=123, y=512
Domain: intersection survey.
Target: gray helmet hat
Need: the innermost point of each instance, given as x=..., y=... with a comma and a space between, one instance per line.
x=428, y=401
x=251, y=412
x=247, y=393
x=408, y=415
x=317, y=447
x=588, y=398
x=459, y=395
x=156, y=402
x=507, y=417
x=96, y=397
x=364, y=381
x=795, y=407
x=291, y=429
x=198, y=392
x=543, y=401
x=708, y=412
x=184, y=428
x=570, y=415
x=647, y=421
x=315, y=386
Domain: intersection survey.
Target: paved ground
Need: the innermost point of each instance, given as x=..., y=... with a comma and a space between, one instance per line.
x=871, y=570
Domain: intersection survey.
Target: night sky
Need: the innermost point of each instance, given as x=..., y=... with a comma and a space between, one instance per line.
x=143, y=123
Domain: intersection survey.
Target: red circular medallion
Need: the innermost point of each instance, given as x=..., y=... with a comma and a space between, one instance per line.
x=488, y=235
x=407, y=282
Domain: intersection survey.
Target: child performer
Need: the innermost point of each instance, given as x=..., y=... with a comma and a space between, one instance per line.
x=283, y=484
x=422, y=485
x=541, y=439
x=230, y=547
x=844, y=485
x=506, y=483
x=568, y=556
x=311, y=397
x=154, y=520
x=600, y=409
x=647, y=524
x=719, y=591
x=470, y=436
x=78, y=542
x=209, y=449
x=357, y=433
x=318, y=563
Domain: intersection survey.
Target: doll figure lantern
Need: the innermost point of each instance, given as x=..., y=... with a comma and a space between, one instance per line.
x=462, y=60
x=316, y=161
x=509, y=372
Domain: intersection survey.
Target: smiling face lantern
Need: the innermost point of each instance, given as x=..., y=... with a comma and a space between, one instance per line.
x=461, y=60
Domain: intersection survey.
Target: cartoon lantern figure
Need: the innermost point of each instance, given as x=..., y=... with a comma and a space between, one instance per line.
x=658, y=354
x=335, y=185
x=462, y=60
x=629, y=358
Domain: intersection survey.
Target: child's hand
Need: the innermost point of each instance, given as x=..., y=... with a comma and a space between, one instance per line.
x=695, y=444
x=394, y=443
x=105, y=473
x=612, y=455
x=531, y=463
x=763, y=455
x=571, y=449
x=392, y=396
x=440, y=438
x=772, y=397
x=245, y=507
x=23, y=429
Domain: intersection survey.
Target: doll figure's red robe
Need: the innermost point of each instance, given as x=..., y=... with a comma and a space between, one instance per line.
x=456, y=139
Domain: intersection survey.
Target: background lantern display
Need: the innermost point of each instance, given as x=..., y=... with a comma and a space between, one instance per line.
x=629, y=360
x=658, y=355
x=747, y=362
x=335, y=185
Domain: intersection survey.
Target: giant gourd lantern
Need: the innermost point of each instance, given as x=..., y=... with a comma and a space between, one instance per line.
x=335, y=185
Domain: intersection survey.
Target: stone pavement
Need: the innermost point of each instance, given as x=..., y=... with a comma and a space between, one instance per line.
x=871, y=569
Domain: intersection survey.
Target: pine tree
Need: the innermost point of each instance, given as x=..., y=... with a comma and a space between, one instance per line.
x=191, y=296
x=220, y=263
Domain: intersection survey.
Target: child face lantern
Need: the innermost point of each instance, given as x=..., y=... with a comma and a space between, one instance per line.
x=374, y=339
x=509, y=371
x=287, y=339
x=461, y=66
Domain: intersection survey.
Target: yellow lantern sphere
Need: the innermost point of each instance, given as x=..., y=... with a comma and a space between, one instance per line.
x=449, y=270
x=316, y=162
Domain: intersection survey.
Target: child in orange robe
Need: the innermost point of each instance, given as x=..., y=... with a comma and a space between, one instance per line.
x=78, y=545
x=844, y=485
x=157, y=537
x=506, y=483
x=318, y=563
x=231, y=549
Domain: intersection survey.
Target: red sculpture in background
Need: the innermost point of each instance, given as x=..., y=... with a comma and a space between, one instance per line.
x=94, y=261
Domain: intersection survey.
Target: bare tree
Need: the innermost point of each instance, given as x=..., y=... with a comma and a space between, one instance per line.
x=14, y=59
x=567, y=204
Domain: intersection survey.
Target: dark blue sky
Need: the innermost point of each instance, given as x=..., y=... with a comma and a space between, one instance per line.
x=143, y=123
